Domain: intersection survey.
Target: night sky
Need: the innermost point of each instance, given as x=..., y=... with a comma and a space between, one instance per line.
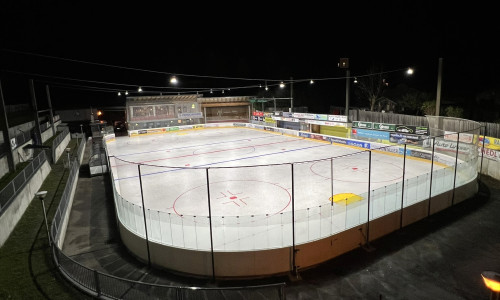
x=252, y=40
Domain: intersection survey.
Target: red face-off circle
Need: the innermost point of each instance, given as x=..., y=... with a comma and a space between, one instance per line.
x=234, y=198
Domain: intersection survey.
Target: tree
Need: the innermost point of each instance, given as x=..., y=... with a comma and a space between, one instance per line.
x=454, y=111
x=429, y=108
x=411, y=102
x=371, y=88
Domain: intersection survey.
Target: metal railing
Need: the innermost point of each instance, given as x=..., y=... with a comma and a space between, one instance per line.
x=12, y=189
x=60, y=137
x=63, y=205
x=97, y=162
x=106, y=286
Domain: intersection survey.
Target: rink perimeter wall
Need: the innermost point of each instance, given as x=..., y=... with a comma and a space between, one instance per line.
x=290, y=258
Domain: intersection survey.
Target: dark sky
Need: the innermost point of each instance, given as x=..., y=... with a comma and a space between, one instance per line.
x=243, y=40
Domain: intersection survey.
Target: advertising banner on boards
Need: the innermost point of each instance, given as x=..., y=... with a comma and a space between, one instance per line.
x=420, y=130
x=385, y=127
x=370, y=134
x=365, y=125
x=401, y=138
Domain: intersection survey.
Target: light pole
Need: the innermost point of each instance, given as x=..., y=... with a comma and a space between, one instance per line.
x=438, y=94
x=81, y=131
x=67, y=151
x=41, y=195
x=344, y=64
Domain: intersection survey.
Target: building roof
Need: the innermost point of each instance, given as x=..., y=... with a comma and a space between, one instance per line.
x=224, y=99
x=163, y=98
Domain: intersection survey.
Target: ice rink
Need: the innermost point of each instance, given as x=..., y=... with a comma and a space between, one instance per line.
x=251, y=178
x=247, y=190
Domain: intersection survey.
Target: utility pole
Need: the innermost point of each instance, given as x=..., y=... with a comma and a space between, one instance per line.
x=344, y=64
x=438, y=94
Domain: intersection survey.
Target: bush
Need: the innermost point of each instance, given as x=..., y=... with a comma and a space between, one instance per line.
x=454, y=111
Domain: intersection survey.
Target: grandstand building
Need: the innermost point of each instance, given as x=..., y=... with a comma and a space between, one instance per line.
x=144, y=112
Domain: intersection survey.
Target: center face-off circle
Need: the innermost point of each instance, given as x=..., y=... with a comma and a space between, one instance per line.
x=234, y=198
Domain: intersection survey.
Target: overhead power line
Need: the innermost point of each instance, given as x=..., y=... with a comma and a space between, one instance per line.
x=133, y=69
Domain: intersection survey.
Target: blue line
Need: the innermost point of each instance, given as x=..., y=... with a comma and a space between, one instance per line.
x=225, y=161
x=137, y=153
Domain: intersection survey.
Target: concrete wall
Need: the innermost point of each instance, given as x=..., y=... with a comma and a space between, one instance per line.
x=21, y=154
x=13, y=213
x=15, y=130
x=62, y=147
x=47, y=134
x=4, y=165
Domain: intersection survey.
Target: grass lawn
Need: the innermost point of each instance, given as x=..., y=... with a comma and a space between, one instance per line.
x=27, y=267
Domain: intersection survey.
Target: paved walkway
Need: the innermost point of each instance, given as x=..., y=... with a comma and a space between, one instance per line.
x=441, y=257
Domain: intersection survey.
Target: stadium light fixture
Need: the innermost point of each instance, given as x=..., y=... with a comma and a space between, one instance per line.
x=311, y=82
x=409, y=71
x=119, y=94
x=173, y=80
x=126, y=93
x=139, y=89
x=282, y=85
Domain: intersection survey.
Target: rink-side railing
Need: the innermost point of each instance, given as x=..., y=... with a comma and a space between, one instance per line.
x=452, y=163
x=106, y=286
x=447, y=170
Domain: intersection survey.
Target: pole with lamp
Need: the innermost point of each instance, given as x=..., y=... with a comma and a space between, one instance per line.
x=344, y=64
x=438, y=93
x=67, y=152
x=81, y=132
x=41, y=195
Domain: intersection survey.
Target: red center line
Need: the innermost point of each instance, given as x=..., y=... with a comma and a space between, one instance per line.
x=216, y=151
